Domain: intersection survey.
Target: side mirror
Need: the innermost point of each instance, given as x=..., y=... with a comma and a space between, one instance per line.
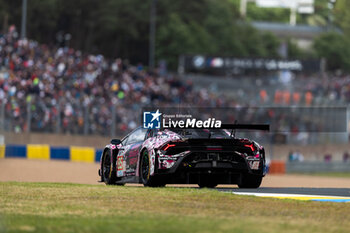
x=115, y=141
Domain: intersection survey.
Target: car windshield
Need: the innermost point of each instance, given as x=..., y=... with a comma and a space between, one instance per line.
x=202, y=133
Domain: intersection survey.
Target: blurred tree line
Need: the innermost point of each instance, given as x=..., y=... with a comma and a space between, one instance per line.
x=282, y=15
x=335, y=44
x=120, y=28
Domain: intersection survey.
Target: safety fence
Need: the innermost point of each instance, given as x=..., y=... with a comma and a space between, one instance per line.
x=92, y=155
x=47, y=152
x=282, y=167
x=318, y=167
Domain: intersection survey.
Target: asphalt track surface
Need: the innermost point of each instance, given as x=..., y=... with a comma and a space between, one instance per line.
x=343, y=192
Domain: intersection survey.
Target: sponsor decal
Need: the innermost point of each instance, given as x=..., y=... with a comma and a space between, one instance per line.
x=199, y=62
x=192, y=123
x=152, y=120
x=254, y=165
x=120, y=166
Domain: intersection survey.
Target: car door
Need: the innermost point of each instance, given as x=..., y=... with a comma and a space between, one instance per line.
x=132, y=149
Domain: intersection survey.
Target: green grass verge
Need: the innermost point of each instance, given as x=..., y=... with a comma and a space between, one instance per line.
x=48, y=207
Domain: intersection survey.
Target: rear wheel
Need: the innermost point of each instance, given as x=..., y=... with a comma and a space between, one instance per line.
x=250, y=181
x=145, y=170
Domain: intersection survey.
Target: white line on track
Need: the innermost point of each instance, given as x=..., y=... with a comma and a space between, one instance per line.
x=302, y=197
x=286, y=195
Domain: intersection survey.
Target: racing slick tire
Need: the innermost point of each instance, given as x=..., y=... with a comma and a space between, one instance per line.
x=145, y=170
x=109, y=169
x=250, y=181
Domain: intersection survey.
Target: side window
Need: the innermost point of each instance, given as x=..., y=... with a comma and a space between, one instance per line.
x=125, y=141
x=137, y=136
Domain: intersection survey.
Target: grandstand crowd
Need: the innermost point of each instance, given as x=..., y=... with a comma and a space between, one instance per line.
x=64, y=90
x=65, y=85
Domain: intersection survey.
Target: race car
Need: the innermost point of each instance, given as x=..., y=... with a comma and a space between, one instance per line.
x=206, y=157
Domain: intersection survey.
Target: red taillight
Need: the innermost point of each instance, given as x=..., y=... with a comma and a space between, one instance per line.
x=168, y=146
x=251, y=146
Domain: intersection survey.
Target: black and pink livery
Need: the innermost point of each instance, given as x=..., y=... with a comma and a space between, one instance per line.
x=206, y=157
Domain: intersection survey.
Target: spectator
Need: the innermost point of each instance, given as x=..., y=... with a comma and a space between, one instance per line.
x=295, y=156
x=291, y=156
x=346, y=156
x=328, y=158
x=299, y=156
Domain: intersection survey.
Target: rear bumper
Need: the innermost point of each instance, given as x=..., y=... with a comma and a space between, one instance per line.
x=223, y=172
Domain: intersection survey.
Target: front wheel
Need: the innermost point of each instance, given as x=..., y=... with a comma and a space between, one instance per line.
x=145, y=170
x=250, y=181
x=108, y=168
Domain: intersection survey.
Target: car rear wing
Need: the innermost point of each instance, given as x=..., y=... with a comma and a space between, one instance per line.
x=263, y=127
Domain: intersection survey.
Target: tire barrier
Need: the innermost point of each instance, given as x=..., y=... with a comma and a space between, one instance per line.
x=38, y=151
x=2, y=151
x=277, y=167
x=82, y=154
x=47, y=152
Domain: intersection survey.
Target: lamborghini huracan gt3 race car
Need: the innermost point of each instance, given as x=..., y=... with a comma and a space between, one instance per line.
x=206, y=157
